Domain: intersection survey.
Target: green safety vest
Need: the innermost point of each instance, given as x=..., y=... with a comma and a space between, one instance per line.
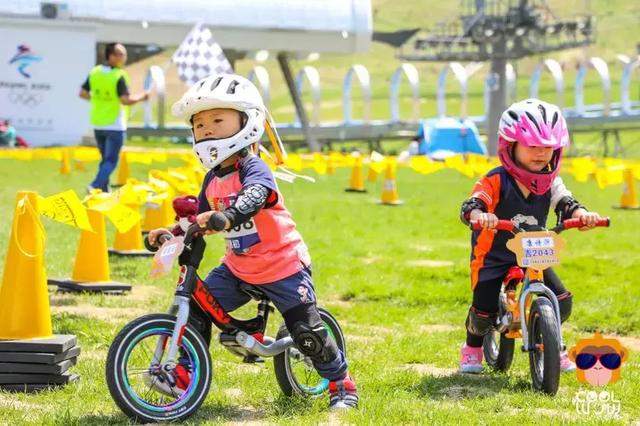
x=105, y=103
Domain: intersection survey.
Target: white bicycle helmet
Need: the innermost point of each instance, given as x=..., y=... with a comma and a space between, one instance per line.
x=223, y=91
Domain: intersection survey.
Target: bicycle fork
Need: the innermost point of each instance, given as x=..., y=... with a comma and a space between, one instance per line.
x=537, y=287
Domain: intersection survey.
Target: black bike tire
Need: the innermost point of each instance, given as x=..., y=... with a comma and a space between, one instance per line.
x=501, y=362
x=280, y=361
x=116, y=355
x=542, y=317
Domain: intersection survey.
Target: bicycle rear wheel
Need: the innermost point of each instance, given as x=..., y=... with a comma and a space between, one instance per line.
x=294, y=370
x=498, y=350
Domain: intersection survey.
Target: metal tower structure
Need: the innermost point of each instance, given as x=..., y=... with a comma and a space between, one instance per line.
x=499, y=31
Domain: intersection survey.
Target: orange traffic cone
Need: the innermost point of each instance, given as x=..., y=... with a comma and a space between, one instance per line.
x=24, y=300
x=91, y=267
x=331, y=166
x=65, y=164
x=356, y=183
x=629, y=198
x=389, y=187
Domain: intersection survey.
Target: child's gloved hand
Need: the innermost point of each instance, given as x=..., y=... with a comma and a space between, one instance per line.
x=203, y=218
x=486, y=220
x=154, y=234
x=589, y=219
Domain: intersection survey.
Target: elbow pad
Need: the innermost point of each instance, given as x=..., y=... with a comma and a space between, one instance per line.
x=469, y=205
x=566, y=206
x=248, y=203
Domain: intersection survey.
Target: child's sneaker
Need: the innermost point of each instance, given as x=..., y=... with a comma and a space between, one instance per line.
x=182, y=377
x=343, y=394
x=470, y=359
x=566, y=365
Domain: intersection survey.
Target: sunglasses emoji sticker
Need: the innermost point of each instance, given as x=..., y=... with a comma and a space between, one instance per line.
x=598, y=359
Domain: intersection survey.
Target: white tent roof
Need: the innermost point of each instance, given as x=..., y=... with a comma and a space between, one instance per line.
x=278, y=25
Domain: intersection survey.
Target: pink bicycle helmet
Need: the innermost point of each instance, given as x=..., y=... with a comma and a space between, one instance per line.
x=532, y=122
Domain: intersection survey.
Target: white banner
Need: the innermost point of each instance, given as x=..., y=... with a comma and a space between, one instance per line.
x=42, y=66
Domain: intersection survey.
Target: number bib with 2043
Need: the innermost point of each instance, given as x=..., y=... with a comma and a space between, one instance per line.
x=537, y=250
x=242, y=237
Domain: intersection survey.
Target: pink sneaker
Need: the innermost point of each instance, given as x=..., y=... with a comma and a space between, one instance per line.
x=566, y=365
x=470, y=359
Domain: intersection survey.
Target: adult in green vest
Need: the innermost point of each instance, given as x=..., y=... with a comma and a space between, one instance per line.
x=107, y=88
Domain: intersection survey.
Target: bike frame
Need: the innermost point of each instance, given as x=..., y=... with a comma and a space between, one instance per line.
x=533, y=282
x=190, y=288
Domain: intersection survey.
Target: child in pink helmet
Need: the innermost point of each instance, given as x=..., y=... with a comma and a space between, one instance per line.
x=531, y=137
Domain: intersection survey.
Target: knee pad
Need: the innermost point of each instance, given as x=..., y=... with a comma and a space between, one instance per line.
x=478, y=322
x=565, y=302
x=309, y=334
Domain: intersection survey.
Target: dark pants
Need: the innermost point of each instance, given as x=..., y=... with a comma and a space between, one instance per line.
x=485, y=302
x=109, y=144
x=289, y=295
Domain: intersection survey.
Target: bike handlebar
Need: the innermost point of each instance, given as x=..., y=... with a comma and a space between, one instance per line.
x=577, y=223
x=217, y=222
x=160, y=241
x=507, y=225
x=502, y=225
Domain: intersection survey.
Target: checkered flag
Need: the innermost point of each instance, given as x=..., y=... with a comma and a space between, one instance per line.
x=199, y=56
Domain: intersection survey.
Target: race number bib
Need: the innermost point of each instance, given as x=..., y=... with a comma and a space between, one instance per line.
x=537, y=250
x=242, y=237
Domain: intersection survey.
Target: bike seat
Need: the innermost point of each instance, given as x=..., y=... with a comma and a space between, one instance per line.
x=253, y=291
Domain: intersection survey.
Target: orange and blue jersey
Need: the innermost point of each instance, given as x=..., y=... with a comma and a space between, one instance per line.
x=499, y=194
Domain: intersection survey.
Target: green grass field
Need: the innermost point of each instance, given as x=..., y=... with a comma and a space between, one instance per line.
x=397, y=280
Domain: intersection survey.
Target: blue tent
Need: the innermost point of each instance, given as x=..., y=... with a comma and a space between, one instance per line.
x=446, y=136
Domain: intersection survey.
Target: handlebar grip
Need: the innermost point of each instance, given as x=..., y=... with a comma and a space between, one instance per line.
x=161, y=240
x=503, y=225
x=577, y=223
x=217, y=221
x=148, y=245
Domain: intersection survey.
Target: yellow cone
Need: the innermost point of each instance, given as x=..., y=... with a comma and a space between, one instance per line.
x=24, y=300
x=331, y=166
x=389, y=188
x=356, y=183
x=92, y=260
x=65, y=164
x=130, y=240
x=123, y=170
x=372, y=176
x=159, y=217
x=629, y=198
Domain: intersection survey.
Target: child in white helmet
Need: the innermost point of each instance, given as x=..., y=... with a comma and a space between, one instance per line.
x=227, y=116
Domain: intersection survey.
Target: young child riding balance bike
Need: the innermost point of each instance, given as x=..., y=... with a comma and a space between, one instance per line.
x=532, y=135
x=227, y=116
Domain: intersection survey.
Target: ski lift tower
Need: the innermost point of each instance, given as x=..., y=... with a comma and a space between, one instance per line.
x=498, y=31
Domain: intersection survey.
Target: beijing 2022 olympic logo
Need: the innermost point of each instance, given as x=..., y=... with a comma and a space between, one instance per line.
x=23, y=58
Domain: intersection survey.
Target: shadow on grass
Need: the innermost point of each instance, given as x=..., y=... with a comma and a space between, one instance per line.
x=283, y=406
x=463, y=386
x=215, y=412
